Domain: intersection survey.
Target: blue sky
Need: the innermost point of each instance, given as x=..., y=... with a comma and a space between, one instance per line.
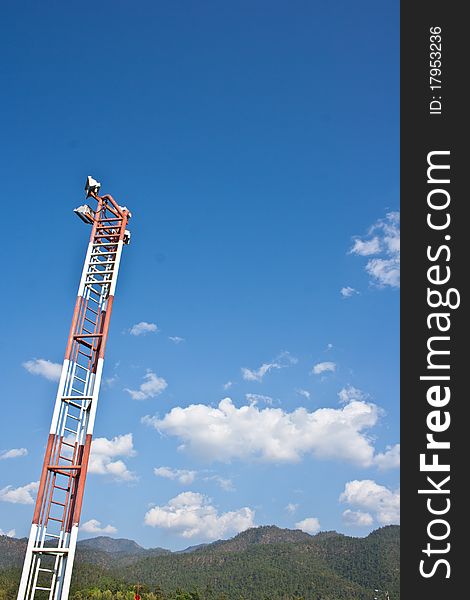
x=256, y=144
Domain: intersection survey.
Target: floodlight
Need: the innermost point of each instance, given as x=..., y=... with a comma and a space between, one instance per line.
x=92, y=186
x=86, y=213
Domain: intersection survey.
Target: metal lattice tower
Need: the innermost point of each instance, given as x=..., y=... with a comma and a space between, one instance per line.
x=48, y=562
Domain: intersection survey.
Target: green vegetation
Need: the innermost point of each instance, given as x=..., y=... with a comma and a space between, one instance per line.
x=265, y=563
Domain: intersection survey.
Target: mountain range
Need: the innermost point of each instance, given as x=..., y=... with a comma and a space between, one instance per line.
x=258, y=564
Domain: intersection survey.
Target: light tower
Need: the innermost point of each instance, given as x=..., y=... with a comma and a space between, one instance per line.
x=48, y=562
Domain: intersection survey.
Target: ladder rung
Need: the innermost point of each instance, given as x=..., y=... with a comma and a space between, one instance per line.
x=103, y=262
x=67, y=444
x=90, y=321
x=65, y=458
x=106, y=253
x=53, y=534
x=59, y=487
x=61, y=467
x=94, y=282
x=82, y=367
x=105, y=244
x=79, y=379
x=44, y=589
x=86, y=335
x=46, y=550
x=70, y=430
x=45, y=571
x=85, y=354
x=95, y=312
x=77, y=397
x=73, y=417
x=54, y=519
x=86, y=344
x=104, y=272
x=58, y=503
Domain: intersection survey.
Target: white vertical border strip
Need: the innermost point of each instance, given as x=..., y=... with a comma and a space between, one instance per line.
x=116, y=268
x=65, y=586
x=27, y=563
x=81, y=287
x=95, y=395
x=60, y=393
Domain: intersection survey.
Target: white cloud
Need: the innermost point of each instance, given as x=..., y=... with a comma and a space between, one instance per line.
x=366, y=248
x=19, y=495
x=347, y=292
x=103, y=453
x=382, y=242
x=13, y=453
x=10, y=533
x=357, y=518
x=291, y=508
x=304, y=393
x=94, y=526
x=282, y=361
x=228, y=385
x=272, y=434
x=377, y=500
x=142, y=328
x=350, y=393
x=324, y=367
x=182, y=476
x=390, y=459
x=192, y=515
x=187, y=477
x=152, y=386
x=176, y=339
x=255, y=398
x=384, y=271
x=310, y=525
x=224, y=484
x=43, y=367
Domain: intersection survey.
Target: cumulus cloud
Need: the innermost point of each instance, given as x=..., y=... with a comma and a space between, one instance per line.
x=182, y=476
x=347, y=292
x=383, y=244
x=271, y=434
x=357, y=518
x=104, y=453
x=291, y=508
x=324, y=367
x=390, y=459
x=351, y=393
x=282, y=361
x=192, y=515
x=310, y=525
x=142, y=328
x=377, y=500
x=13, y=453
x=151, y=387
x=304, y=393
x=47, y=369
x=94, y=526
x=176, y=339
x=10, y=533
x=19, y=495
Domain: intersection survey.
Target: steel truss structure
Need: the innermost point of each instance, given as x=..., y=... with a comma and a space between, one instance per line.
x=52, y=541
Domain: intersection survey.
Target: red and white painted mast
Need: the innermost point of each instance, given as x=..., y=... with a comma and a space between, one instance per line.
x=48, y=563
